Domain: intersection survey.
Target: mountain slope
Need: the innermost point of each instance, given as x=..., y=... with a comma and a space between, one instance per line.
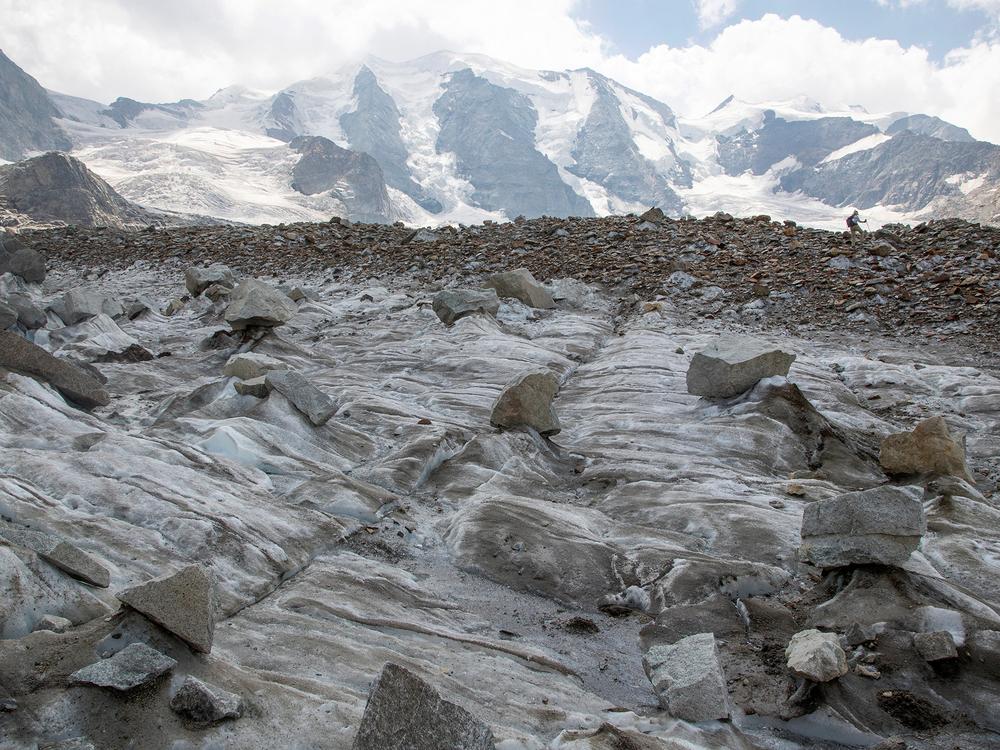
x=26, y=115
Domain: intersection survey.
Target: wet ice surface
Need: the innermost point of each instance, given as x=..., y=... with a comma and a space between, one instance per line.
x=457, y=550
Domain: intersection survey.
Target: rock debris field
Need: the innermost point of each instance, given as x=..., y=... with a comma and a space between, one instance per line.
x=604, y=484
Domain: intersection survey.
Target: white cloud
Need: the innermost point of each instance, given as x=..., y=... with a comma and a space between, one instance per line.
x=152, y=50
x=713, y=12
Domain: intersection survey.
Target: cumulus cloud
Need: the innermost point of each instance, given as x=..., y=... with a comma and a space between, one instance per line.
x=713, y=12
x=152, y=50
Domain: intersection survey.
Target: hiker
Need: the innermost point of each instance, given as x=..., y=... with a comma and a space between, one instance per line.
x=854, y=222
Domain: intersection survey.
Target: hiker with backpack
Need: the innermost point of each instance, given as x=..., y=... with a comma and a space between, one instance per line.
x=854, y=222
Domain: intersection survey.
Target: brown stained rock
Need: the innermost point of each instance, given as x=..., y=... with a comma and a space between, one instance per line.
x=527, y=402
x=521, y=285
x=929, y=449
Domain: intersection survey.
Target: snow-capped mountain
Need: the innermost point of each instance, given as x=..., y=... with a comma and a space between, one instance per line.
x=464, y=138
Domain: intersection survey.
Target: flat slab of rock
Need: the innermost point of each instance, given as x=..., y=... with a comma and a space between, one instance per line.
x=453, y=304
x=882, y=525
x=257, y=304
x=521, y=285
x=405, y=713
x=55, y=623
x=929, y=449
x=935, y=646
x=181, y=602
x=250, y=365
x=816, y=655
x=20, y=355
x=135, y=665
x=199, y=278
x=688, y=678
x=732, y=366
x=67, y=557
x=304, y=396
x=527, y=402
x=202, y=703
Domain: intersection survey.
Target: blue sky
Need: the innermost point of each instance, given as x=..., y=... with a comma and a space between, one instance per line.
x=633, y=26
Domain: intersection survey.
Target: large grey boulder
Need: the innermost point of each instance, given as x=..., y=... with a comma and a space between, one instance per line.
x=405, y=713
x=80, y=304
x=199, y=278
x=202, y=703
x=20, y=260
x=181, y=602
x=527, y=402
x=256, y=304
x=815, y=655
x=29, y=315
x=453, y=304
x=20, y=355
x=303, y=395
x=521, y=285
x=136, y=664
x=882, y=525
x=60, y=553
x=731, y=366
x=688, y=678
x=929, y=449
x=250, y=365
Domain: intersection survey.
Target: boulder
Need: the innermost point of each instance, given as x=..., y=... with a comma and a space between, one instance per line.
x=256, y=387
x=77, y=305
x=929, y=449
x=181, y=602
x=688, y=678
x=527, y=402
x=202, y=703
x=8, y=316
x=199, y=278
x=136, y=664
x=882, y=525
x=935, y=646
x=29, y=315
x=250, y=365
x=20, y=260
x=303, y=395
x=817, y=656
x=731, y=366
x=452, y=304
x=20, y=355
x=521, y=285
x=256, y=304
x=138, y=306
x=67, y=557
x=54, y=623
x=218, y=292
x=654, y=215
x=405, y=713
x=173, y=307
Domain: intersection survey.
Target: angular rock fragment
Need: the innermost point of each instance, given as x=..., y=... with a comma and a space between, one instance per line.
x=731, y=366
x=139, y=306
x=80, y=304
x=405, y=713
x=521, y=285
x=527, y=402
x=935, y=646
x=250, y=365
x=688, y=678
x=305, y=397
x=256, y=387
x=29, y=315
x=654, y=215
x=20, y=355
x=256, y=304
x=199, y=278
x=882, y=525
x=453, y=304
x=20, y=260
x=181, y=602
x=817, y=656
x=136, y=664
x=54, y=623
x=202, y=703
x=60, y=553
x=929, y=449
x=173, y=307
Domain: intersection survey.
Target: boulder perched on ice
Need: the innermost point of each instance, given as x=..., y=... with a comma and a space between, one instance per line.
x=181, y=602
x=731, y=366
x=817, y=656
x=452, y=304
x=929, y=449
x=251, y=365
x=882, y=525
x=521, y=285
x=135, y=665
x=20, y=355
x=935, y=646
x=80, y=304
x=688, y=678
x=202, y=703
x=527, y=402
x=303, y=395
x=403, y=711
x=199, y=278
x=257, y=304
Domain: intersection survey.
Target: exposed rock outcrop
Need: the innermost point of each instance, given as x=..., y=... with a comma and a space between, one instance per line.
x=27, y=115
